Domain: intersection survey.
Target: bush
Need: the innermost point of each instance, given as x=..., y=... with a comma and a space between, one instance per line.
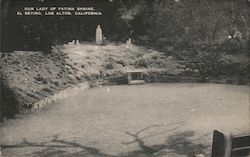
x=141, y=62
x=232, y=46
x=8, y=102
x=162, y=43
x=208, y=64
x=214, y=64
x=109, y=66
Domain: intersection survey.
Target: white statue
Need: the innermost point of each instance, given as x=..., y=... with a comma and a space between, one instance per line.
x=128, y=43
x=98, y=37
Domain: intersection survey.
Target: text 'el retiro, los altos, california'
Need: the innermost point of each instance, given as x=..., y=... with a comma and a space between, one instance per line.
x=78, y=11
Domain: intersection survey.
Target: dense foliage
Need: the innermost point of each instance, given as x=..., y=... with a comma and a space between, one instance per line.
x=164, y=24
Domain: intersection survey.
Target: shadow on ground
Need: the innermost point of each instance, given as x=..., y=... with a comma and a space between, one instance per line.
x=176, y=145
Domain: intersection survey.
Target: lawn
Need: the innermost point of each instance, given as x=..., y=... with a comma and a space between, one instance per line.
x=147, y=120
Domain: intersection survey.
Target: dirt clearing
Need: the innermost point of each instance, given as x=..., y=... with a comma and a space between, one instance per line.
x=148, y=120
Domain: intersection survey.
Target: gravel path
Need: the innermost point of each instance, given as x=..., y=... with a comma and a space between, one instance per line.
x=147, y=120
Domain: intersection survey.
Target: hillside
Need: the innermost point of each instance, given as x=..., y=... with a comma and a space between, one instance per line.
x=29, y=77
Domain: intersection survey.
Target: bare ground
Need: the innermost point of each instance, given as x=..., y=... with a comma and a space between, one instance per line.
x=136, y=121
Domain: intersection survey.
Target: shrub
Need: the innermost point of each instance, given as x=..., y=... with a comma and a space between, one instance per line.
x=232, y=46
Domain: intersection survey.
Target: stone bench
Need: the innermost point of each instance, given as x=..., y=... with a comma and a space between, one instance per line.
x=135, y=77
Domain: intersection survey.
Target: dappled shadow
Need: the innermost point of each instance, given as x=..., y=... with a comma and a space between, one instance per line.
x=181, y=144
x=177, y=144
x=170, y=127
x=57, y=147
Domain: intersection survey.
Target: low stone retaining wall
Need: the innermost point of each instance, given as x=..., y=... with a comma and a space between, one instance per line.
x=61, y=94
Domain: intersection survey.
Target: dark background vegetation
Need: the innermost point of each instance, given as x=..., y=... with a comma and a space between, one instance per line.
x=167, y=25
x=194, y=31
